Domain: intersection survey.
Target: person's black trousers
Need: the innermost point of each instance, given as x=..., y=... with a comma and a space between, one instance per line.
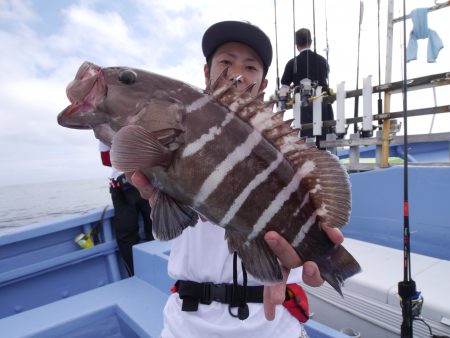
x=128, y=204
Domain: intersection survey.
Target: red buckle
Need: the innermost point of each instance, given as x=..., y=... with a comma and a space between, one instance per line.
x=297, y=302
x=174, y=288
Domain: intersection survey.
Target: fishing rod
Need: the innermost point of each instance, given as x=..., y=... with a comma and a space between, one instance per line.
x=276, y=45
x=361, y=11
x=293, y=23
x=327, y=49
x=406, y=288
x=380, y=101
x=314, y=23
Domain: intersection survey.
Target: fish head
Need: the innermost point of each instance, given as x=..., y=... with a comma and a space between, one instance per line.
x=107, y=99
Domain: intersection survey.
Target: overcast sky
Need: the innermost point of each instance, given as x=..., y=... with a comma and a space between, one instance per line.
x=44, y=42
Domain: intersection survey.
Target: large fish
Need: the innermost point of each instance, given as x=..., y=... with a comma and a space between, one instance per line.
x=222, y=154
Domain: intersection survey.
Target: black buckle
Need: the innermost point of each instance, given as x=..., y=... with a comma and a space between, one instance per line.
x=214, y=292
x=206, y=293
x=219, y=293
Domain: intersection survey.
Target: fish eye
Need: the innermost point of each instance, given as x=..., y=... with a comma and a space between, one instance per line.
x=127, y=76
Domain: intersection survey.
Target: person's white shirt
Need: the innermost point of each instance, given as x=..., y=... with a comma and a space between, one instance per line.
x=201, y=254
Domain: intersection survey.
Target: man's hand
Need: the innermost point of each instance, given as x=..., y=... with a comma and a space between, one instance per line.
x=275, y=294
x=143, y=185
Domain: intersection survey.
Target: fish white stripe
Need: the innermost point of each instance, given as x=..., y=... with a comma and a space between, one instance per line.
x=198, y=104
x=260, y=178
x=199, y=143
x=304, y=230
x=307, y=226
x=280, y=199
x=221, y=171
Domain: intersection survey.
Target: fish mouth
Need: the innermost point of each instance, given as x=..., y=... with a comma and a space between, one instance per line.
x=85, y=93
x=77, y=116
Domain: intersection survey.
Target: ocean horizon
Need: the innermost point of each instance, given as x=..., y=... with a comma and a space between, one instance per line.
x=24, y=204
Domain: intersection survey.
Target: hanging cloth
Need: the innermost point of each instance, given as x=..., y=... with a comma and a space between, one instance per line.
x=419, y=17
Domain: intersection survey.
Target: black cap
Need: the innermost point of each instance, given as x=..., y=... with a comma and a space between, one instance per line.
x=237, y=31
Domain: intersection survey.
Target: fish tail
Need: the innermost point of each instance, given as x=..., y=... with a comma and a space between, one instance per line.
x=336, y=266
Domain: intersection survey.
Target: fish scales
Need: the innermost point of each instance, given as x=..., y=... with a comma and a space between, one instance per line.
x=224, y=155
x=260, y=195
x=264, y=192
x=198, y=167
x=236, y=175
x=248, y=204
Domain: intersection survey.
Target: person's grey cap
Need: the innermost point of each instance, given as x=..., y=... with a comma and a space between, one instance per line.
x=237, y=31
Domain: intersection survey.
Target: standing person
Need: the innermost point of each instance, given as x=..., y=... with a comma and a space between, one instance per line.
x=313, y=66
x=128, y=205
x=199, y=258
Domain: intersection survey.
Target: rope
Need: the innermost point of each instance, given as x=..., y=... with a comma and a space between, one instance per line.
x=243, y=311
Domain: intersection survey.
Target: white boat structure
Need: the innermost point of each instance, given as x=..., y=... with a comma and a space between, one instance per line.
x=50, y=287
x=371, y=306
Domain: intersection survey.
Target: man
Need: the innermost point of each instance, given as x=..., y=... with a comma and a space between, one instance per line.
x=310, y=65
x=200, y=254
x=128, y=206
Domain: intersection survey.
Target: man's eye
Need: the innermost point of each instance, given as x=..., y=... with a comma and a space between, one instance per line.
x=226, y=62
x=251, y=68
x=127, y=76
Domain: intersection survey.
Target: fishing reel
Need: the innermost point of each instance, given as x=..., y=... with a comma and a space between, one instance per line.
x=307, y=93
x=284, y=97
x=416, y=304
x=307, y=90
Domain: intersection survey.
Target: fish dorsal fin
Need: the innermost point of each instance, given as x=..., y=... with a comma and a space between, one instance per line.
x=325, y=181
x=134, y=148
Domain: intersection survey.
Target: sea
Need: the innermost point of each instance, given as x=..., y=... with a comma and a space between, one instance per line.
x=25, y=204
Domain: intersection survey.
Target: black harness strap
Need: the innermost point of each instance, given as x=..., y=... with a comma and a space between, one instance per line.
x=193, y=293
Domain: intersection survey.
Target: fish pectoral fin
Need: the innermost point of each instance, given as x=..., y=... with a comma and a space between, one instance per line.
x=256, y=255
x=170, y=218
x=134, y=148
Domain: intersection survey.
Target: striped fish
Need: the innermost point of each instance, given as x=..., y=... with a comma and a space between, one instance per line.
x=221, y=154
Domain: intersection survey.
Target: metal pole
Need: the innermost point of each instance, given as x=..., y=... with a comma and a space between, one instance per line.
x=387, y=78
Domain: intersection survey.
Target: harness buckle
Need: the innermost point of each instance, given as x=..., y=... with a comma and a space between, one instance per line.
x=214, y=292
x=206, y=293
x=219, y=293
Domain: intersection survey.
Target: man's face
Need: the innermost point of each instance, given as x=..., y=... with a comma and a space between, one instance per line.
x=240, y=60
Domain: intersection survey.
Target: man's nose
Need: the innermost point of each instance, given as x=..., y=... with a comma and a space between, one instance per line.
x=234, y=71
x=236, y=79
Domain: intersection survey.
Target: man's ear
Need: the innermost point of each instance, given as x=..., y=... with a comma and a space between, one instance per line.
x=206, y=72
x=263, y=85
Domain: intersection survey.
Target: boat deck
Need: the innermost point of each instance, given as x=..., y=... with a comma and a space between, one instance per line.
x=129, y=308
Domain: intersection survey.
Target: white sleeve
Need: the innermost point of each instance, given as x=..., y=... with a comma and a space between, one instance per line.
x=103, y=147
